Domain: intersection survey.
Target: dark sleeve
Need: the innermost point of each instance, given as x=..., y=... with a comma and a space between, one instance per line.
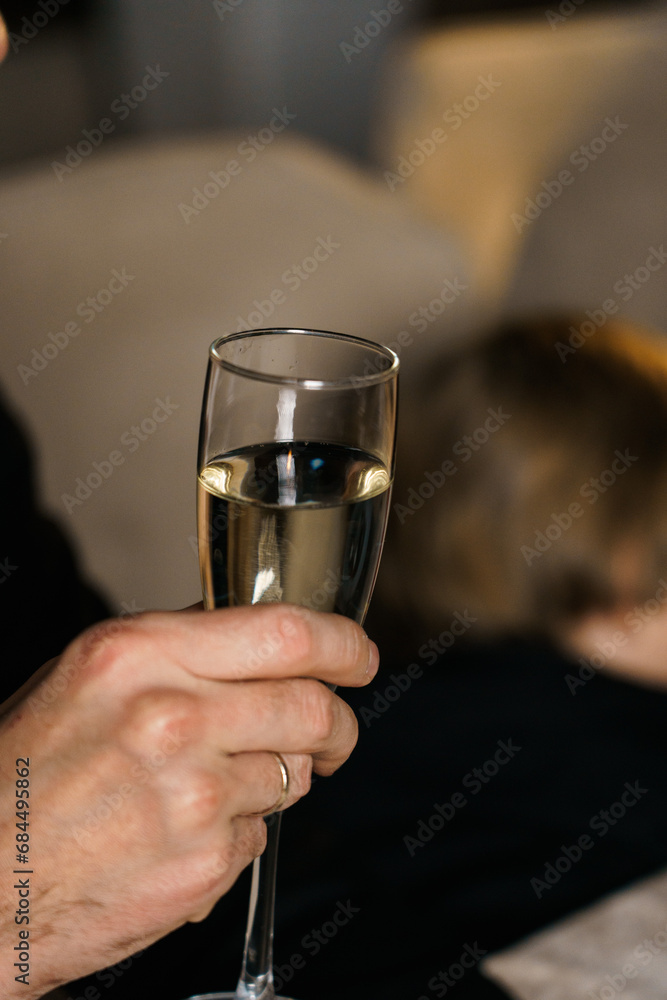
x=44, y=602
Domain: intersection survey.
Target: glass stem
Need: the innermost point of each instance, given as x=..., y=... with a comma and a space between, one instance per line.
x=256, y=982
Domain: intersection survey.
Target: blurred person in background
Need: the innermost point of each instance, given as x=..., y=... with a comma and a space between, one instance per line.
x=511, y=763
x=498, y=735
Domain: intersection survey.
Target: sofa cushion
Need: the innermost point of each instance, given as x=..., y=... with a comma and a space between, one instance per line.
x=120, y=270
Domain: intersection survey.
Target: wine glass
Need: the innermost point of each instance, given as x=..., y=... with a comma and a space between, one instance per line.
x=296, y=461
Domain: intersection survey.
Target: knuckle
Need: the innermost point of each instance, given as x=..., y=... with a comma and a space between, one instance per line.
x=300, y=772
x=159, y=720
x=347, y=735
x=200, y=879
x=297, y=633
x=351, y=732
x=316, y=708
x=104, y=648
x=241, y=843
x=196, y=801
x=250, y=839
x=353, y=643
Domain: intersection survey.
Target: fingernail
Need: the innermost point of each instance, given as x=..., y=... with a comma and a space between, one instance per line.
x=373, y=660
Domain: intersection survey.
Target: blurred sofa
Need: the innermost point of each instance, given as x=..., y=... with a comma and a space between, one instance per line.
x=553, y=131
x=115, y=284
x=121, y=268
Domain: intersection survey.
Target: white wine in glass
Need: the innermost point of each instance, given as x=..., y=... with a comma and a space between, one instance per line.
x=296, y=462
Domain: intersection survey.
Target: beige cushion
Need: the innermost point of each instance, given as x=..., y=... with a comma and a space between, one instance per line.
x=590, y=247
x=117, y=213
x=615, y=948
x=529, y=92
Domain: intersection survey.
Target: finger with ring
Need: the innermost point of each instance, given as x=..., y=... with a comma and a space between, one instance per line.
x=284, y=791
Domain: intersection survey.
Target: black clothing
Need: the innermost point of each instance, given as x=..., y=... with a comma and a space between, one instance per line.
x=44, y=603
x=491, y=793
x=433, y=843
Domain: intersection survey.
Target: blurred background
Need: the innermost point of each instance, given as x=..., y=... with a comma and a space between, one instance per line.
x=460, y=163
x=463, y=162
x=233, y=63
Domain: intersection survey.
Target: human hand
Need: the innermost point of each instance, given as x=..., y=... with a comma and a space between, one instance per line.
x=4, y=39
x=147, y=741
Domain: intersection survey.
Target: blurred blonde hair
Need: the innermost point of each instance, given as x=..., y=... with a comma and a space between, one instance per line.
x=532, y=479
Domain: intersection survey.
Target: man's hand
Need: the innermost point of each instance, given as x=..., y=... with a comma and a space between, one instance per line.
x=4, y=39
x=148, y=744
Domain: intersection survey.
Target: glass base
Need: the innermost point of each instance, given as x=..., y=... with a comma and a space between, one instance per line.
x=224, y=996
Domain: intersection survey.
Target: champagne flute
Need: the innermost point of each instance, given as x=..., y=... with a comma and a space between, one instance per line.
x=296, y=461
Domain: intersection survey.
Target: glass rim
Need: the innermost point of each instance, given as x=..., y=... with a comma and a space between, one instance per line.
x=373, y=378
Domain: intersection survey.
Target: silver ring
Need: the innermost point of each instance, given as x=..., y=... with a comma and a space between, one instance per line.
x=284, y=791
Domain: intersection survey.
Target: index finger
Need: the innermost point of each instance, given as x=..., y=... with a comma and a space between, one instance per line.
x=266, y=641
